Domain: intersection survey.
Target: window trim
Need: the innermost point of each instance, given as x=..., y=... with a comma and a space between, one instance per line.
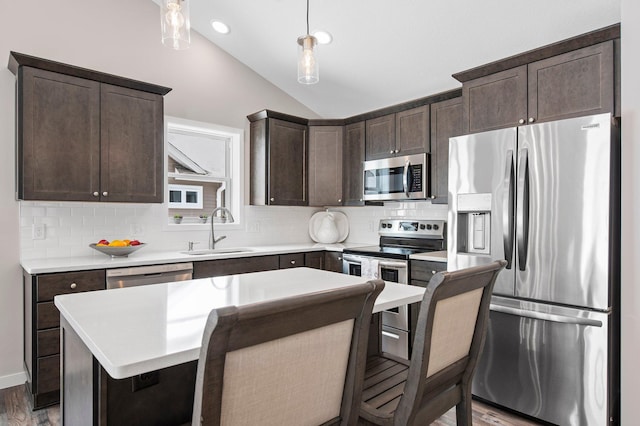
x=236, y=165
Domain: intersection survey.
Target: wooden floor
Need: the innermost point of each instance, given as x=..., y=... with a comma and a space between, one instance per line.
x=15, y=411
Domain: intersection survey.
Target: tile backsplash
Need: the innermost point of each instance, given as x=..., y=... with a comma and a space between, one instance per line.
x=70, y=227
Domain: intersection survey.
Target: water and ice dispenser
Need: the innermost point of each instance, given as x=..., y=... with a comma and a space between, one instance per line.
x=474, y=223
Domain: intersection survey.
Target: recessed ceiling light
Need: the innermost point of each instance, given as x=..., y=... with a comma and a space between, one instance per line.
x=323, y=37
x=220, y=27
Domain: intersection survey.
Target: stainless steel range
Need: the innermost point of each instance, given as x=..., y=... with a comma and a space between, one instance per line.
x=389, y=261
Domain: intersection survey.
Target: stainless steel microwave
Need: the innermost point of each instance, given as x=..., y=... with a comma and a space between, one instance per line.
x=397, y=178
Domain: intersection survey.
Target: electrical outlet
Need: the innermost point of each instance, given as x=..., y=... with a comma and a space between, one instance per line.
x=38, y=232
x=144, y=380
x=253, y=227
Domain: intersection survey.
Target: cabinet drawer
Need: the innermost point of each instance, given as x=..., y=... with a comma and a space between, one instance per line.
x=423, y=270
x=51, y=285
x=48, y=374
x=48, y=342
x=291, y=260
x=47, y=316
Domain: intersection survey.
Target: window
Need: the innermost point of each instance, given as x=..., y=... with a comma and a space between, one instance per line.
x=185, y=196
x=203, y=170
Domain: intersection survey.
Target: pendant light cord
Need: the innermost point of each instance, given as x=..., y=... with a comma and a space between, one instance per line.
x=307, y=17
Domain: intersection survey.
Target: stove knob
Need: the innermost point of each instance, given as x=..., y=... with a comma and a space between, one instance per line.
x=429, y=227
x=422, y=226
x=435, y=227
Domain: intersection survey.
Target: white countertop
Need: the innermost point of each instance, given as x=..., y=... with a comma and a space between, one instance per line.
x=433, y=256
x=135, y=330
x=146, y=256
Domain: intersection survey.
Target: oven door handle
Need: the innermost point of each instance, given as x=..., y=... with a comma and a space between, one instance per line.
x=392, y=265
x=381, y=263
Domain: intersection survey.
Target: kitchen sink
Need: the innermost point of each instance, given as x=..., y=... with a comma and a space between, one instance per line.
x=217, y=251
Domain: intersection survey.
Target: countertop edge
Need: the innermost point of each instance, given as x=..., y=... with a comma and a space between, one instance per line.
x=145, y=258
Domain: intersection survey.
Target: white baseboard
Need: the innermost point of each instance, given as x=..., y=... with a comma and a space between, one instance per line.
x=12, y=380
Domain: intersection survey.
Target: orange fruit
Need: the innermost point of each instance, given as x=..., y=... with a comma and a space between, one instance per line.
x=117, y=243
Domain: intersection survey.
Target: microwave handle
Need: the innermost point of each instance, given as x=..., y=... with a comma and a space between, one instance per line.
x=405, y=178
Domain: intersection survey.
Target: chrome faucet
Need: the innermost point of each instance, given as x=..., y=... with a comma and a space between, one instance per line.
x=227, y=216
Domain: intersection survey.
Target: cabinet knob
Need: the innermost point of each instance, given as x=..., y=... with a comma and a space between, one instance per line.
x=360, y=199
x=272, y=199
x=340, y=258
x=95, y=194
x=73, y=285
x=396, y=151
x=339, y=200
x=293, y=262
x=521, y=121
x=433, y=197
x=105, y=193
x=391, y=152
x=531, y=119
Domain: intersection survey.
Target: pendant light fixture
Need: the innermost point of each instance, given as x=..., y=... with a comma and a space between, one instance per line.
x=175, y=24
x=307, y=62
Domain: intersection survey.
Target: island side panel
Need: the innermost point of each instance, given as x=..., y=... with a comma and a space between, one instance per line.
x=77, y=379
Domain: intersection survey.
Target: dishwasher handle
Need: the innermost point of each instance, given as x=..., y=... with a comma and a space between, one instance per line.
x=145, y=275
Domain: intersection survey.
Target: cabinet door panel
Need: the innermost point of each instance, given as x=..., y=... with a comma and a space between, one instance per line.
x=50, y=285
x=574, y=84
x=48, y=374
x=58, y=136
x=325, y=165
x=131, y=145
x=47, y=316
x=294, y=260
x=380, y=137
x=496, y=101
x=353, y=169
x=446, y=122
x=412, y=131
x=333, y=261
x=48, y=342
x=215, y=268
x=287, y=163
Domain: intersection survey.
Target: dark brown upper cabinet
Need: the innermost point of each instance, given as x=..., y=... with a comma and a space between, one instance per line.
x=446, y=122
x=86, y=136
x=279, y=160
x=402, y=133
x=352, y=168
x=325, y=165
x=571, y=78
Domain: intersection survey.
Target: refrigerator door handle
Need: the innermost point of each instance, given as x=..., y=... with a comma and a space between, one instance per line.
x=545, y=316
x=507, y=210
x=522, y=208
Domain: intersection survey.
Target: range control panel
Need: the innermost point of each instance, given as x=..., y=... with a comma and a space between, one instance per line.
x=412, y=228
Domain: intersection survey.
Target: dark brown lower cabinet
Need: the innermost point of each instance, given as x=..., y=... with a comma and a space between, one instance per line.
x=42, y=329
x=242, y=265
x=326, y=260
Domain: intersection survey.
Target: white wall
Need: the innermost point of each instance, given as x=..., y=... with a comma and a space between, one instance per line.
x=630, y=211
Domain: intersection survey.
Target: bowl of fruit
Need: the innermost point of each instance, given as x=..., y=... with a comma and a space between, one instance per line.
x=117, y=248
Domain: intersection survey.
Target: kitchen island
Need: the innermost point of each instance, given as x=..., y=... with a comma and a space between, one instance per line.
x=130, y=355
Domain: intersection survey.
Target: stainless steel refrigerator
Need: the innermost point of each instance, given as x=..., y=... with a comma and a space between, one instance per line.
x=545, y=197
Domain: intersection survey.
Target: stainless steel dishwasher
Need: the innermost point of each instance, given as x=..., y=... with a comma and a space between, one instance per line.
x=143, y=275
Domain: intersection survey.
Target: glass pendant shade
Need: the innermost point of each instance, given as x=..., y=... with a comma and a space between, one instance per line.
x=307, y=62
x=175, y=24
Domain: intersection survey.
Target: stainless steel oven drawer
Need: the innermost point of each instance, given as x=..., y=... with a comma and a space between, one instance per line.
x=395, y=342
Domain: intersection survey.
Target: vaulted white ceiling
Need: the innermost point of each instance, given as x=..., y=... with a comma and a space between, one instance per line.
x=389, y=51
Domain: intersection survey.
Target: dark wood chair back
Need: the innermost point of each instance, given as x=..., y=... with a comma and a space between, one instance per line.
x=450, y=333
x=293, y=361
